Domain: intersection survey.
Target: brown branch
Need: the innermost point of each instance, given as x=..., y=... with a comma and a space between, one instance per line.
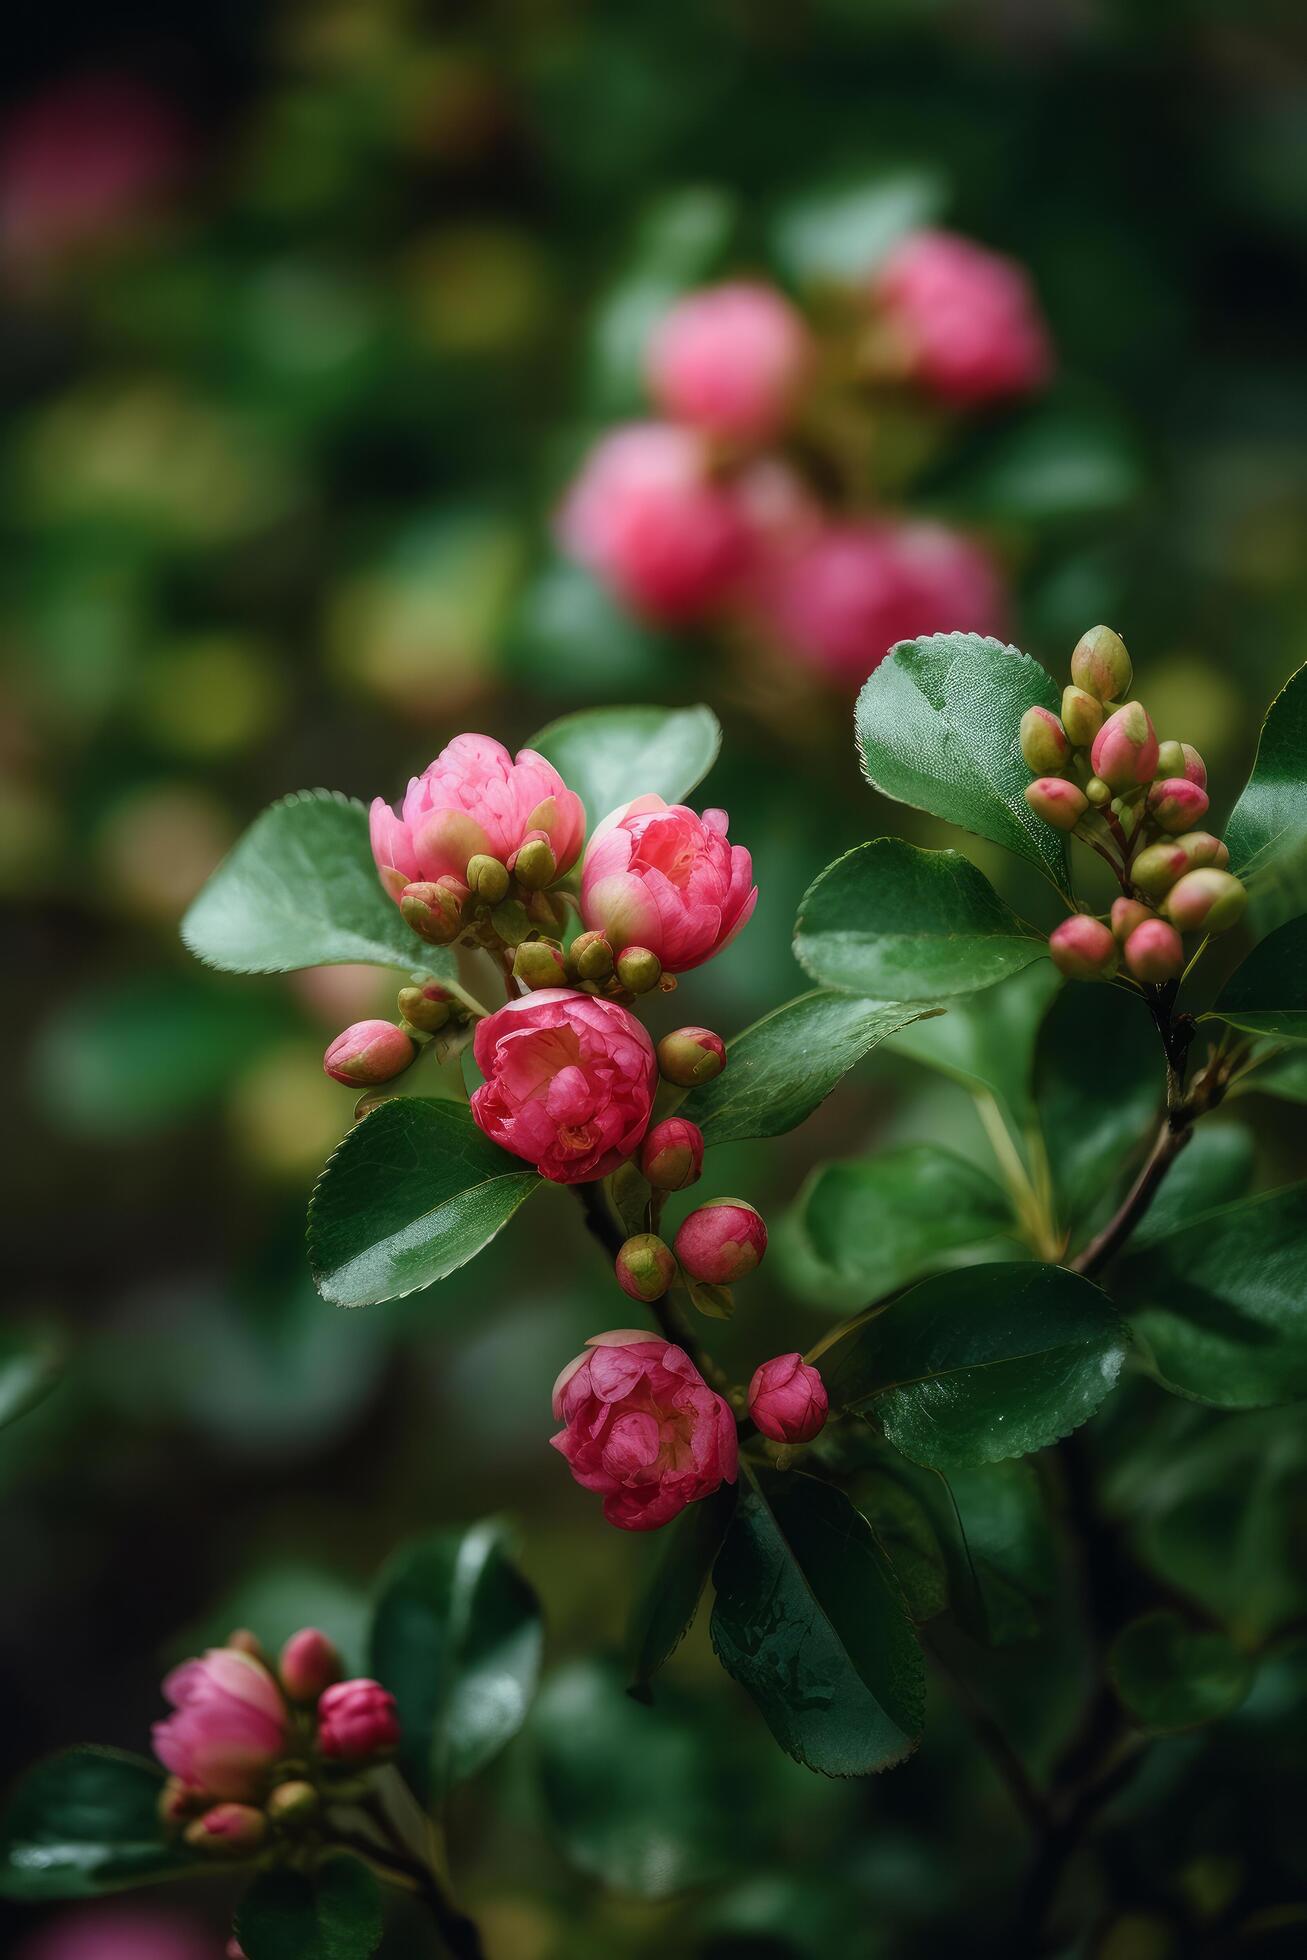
x=1167, y=1146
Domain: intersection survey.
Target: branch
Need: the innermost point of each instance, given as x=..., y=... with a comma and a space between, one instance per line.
x=458, y=1932
x=1167, y=1146
x=672, y=1323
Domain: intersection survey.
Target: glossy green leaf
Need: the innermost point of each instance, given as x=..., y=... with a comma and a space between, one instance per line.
x=331, y=1913
x=1268, y=993
x=836, y=233
x=1214, y=1168
x=457, y=1638
x=986, y=1041
x=808, y=1620
x=781, y=1068
x=937, y=728
x=978, y=1365
x=666, y=1607
x=609, y=755
x=1172, y=1675
x=31, y=1363
x=1279, y=1072
x=413, y=1192
x=896, y=923
x=906, y=1535
x=1099, y=1082
x=83, y=1823
x=1220, y=1307
x=1267, y=830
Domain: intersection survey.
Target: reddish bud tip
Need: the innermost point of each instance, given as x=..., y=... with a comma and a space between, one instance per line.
x=1155, y=952
x=1083, y=948
x=427, y=1008
x=691, y=1055
x=1182, y=759
x=1043, y=740
x=645, y=1267
x=1155, y=870
x=367, y=1053
x=1127, y=913
x=1211, y=899
x=309, y=1663
x=671, y=1156
x=539, y=963
x=1056, y=801
x=434, y=910
x=1200, y=848
x=1125, y=748
x=356, y=1720
x=722, y=1242
x=231, y=1830
x=1177, y=804
x=1101, y=665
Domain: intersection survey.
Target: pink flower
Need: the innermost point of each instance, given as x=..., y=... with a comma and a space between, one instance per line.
x=569, y=1082
x=357, y=1719
x=642, y=1427
x=646, y=517
x=116, y=1932
x=966, y=320
x=475, y=798
x=788, y=1400
x=664, y=878
x=229, y=1725
x=730, y=361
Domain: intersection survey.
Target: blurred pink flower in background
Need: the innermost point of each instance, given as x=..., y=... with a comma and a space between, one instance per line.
x=110, y=1932
x=665, y=878
x=730, y=360
x=228, y=1727
x=964, y=321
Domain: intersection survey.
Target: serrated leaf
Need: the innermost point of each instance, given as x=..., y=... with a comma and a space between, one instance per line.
x=84, y=1823
x=1171, y=1675
x=331, y=1913
x=1268, y=993
x=609, y=755
x=1267, y=831
x=666, y=1606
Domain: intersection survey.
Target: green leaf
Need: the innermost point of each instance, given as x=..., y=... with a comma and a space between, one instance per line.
x=1171, y=1675
x=837, y=233
x=1278, y=1072
x=679, y=243
x=413, y=1192
x=1267, y=831
x=1099, y=1076
x=808, y=1621
x=1060, y=461
x=986, y=1041
x=1268, y=993
x=1219, y=1306
x=861, y=1229
x=978, y=1365
x=333, y=1913
x=30, y=1365
x=609, y=755
x=83, y=1823
x=300, y=889
x=782, y=1067
x=456, y=1637
x=937, y=728
x=665, y=1610
x=897, y=923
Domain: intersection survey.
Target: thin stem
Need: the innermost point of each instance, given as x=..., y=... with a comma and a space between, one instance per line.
x=458, y=1932
x=1167, y=1146
x=1031, y=1211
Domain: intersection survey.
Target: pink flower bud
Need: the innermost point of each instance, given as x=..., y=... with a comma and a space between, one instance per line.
x=787, y=1399
x=639, y=970
x=1182, y=759
x=369, y=1052
x=666, y=880
x=1176, y=803
x=1154, y=952
x=176, y=1803
x=1200, y=848
x=642, y=1428
x=1127, y=913
x=1101, y=665
x=730, y=361
x=1056, y=801
x=645, y=1267
x=232, y=1830
x=966, y=319
x=1208, y=898
x=229, y=1724
x=722, y=1242
x=356, y=1720
x=435, y=909
x=1155, y=870
x=1043, y=739
x=569, y=1083
x=671, y=1156
x=1082, y=716
x=309, y=1663
x=1125, y=748
x=1083, y=948
x=537, y=963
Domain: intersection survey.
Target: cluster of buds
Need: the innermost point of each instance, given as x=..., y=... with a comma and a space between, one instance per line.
x=369, y=1053
x=255, y=1751
x=1102, y=775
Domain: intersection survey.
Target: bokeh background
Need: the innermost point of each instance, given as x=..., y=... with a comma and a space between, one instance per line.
x=308, y=312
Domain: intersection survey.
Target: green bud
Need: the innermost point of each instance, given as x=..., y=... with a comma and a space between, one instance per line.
x=510, y=921
x=1098, y=793
x=488, y=878
x=435, y=910
x=691, y=1055
x=426, y=1008
x=638, y=969
x=1208, y=899
x=1082, y=716
x=1155, y=870
x=645, y=1267
x=1170, y=758
x=591, y=956
x=1200, y=848
x=539, y=963
x=1043, y=742
x=289, y=1802
x=535, y=865
x=1101, y=665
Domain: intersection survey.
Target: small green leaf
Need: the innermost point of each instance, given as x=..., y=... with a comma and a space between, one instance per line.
x=1268, y=993
x=666, y=1607
x=809, y=1622
x=978, y=1365
x=986, y=1041
x=779, y=1069
x=83, y=1823
x=609, y=755
x=457, y=1638
x=333, y=1913
x=30, y=1364
x=937, y=728
x=1267, y=831
x=837, y=233
x=413, y=1193
x=896, y=923
x=1171, y=1675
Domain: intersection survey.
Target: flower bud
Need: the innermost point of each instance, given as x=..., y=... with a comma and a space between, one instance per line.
x=1125, y=748
x=511, y=921
x=1200, y=847
x=369, y=1052
x=788, y=1400
x=1097, y=793
x=242, y=1641
x=535, y=867
x=1043, y=741
x=1155, y=870
x=1101, y=665
x=487, y=878
x=1176, y=803
x=435, y=910
x=591, y=956
x=645, y=1267
x=308, y=1664
x=1082, y=716
x=291, y=1802
x=426, y=1008
x=671, y=1156
x=691, y=1055
x=723, y=1241
x=539, y=963
x=638, y=969
x=177, y=1801
x=1182, y=759
x=1127, y=913
x=232, y=1830
x=1056, y=801
x=1212, y=899
x=357, y=1719
x=1155, y=952
x=1083, y=948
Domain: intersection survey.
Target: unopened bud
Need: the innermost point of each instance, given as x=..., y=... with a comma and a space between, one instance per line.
x=591, y=956
x=434, y=909
x=367, y=1053
x=241, y=1638
x=1101, y=665
x=539, y=963
x=1056, y=801
x=231, y=1830
x=1083, y=948
x=1082, y=716
x=671, y=1156
x=691, y=1055
x=1127, y=913
x=1098, y=793
x=1212, y=899
x=356, y=1720
x=1043, y=741
x=487, y=878
x=511, y=922
x=426, y=1008
x=535, y=867
x=722, y=1242
x=291, y=1802
x=309, y=1663
x=1125, y=748
x=1182, y=759
x=177, y=1801
x=1154, y=952
x=1176, y=803
x=1200, y=847
x=645, y=1267
x=1155, y=870
x=787, y=1399
x=638, y=969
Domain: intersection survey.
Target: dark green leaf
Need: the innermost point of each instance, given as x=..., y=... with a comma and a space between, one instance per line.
x=609, y=755
x=1268, y=993
x=986, y=1041
x=1267, y=831
x=413, y=1192
x=83, y=1823
x=807, y=1619
x=1172, y=1675
x=1099, y=1078
x=333, y=1913
x=1278, y=1072
x=30, y=1364
x=906, y=1535
x=456, y=1638
x=664, y=1611
x=836, y=234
